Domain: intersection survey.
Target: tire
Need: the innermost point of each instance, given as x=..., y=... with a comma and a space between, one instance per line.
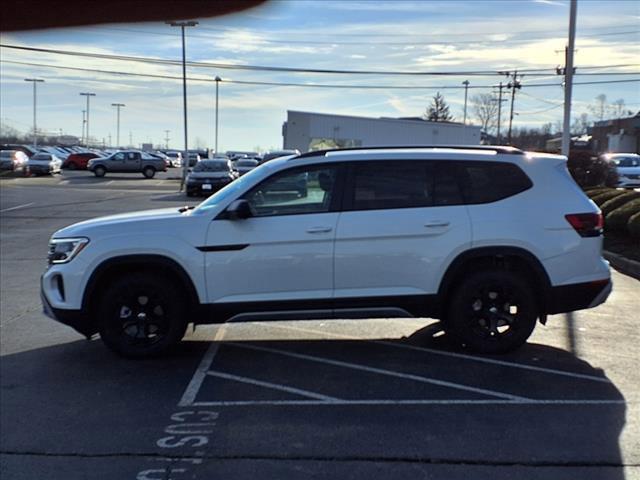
x=142, y=315
x=492, y=312
x=99, y=171
x=148, y=172
x=72, y=166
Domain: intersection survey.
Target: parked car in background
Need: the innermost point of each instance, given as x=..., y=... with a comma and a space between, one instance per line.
x=59, y=152
x=127, y=161
x=78, y=161
x=278, y=153
x=175, y=158
x=26, y=149
x=209, y=176
x=243, y=166
x=194, y=158
x=14, y=161
x=627, y=167
x=44, y=163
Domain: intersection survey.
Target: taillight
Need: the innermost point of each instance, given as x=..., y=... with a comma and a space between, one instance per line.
x=586, y=224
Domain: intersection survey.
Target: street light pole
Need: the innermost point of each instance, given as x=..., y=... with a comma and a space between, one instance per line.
x=185, y=166
x=88, y=95
x=84, y=120
x=118, y=105
x=35, y=127
x=218, y=80
x=466, y=87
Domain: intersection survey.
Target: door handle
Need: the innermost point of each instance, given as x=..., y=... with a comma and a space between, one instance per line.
x=437, y=223
x=319, y=229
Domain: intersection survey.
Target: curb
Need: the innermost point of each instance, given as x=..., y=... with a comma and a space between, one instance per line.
x=623, y=264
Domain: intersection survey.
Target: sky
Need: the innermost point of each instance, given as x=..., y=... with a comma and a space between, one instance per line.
x=379, y=36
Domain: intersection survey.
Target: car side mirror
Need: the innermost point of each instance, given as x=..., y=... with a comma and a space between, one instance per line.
x=239, y=210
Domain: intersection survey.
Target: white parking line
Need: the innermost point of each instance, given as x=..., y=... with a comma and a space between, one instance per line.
x=274, y=386
x=379, y=371
x=16, y=208
x=443, y=353
x=453, y=402
x=189, y=395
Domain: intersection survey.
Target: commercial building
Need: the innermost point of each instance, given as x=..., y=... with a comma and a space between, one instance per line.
x=617, y=135
x=308, y=131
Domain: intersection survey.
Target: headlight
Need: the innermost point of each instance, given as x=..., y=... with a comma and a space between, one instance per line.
x=62, y=250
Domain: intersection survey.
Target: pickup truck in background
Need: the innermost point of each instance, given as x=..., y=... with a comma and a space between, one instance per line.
x=127, y=161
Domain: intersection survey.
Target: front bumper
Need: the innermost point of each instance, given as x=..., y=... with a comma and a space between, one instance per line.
x=75, y=319
x=578, y=296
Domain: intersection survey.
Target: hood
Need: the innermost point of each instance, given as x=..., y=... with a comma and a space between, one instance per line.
x=141, y=220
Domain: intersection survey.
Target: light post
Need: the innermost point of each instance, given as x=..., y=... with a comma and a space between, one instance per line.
x=35, y=127
x=466, y=87
x=218, y=80
x=88, y=95
x=84, y=121
x=182, y=25
x=118, y=105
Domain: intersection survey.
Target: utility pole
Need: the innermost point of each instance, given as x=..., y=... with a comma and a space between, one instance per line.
x=88, y=95
x=218, y=80
x=466, y=87
x=117, y=105
x=166, y=139
x=185, y=167
x=35, y=126
x=84, y=121
x=109, y=137
x=500, y=100
x=568, y=80
x=130, y=138
x=513, y=85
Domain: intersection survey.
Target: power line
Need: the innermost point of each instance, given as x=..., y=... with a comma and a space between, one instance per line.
x=261, y=40
x=308, y=85
x=160, y=61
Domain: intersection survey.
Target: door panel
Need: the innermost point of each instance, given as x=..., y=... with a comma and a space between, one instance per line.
x=405, y=221
x=274, y=258
x=285, y=250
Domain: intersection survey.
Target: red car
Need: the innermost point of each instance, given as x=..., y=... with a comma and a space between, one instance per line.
x=78, y=161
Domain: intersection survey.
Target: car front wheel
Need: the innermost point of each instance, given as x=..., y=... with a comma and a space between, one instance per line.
x=99, y=171
x=142, y=315
x=492, y=312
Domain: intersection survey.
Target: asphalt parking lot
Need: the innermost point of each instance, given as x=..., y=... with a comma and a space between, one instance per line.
x=313, y=399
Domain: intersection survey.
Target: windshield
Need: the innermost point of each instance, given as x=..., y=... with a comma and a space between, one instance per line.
x=230, y=190
x=206, y=166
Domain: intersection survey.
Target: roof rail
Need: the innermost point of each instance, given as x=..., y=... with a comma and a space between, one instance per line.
x=490, y=148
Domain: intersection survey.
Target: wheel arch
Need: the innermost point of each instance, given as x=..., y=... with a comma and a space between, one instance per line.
x=121, y=265
x=499, y=257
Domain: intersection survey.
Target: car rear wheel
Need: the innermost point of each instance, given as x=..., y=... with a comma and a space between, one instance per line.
x=72, y=166
x=492, y=312
x=149, y=172
x=142, y=315
x=99, y=171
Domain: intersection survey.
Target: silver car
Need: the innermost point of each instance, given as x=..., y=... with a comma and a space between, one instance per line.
x=13, y=161
x=43, y=163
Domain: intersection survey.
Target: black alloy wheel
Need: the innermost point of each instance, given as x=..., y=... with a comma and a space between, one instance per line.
x=492, y=312
x=141, y=316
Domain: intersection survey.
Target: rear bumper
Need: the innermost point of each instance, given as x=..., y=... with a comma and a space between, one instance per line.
x=578, y=296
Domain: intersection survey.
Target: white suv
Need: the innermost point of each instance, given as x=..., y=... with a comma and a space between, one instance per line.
x=488, y=239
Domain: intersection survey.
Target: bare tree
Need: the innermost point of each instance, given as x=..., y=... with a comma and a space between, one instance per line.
x=438, y=111
x=618, y=108
x=485, y=107
x=580, y=125
x=599, y=109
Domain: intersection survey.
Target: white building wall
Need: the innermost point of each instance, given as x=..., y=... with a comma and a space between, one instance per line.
x=302, y=127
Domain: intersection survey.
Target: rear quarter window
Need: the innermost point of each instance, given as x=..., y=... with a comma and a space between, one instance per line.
x=486, y=182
